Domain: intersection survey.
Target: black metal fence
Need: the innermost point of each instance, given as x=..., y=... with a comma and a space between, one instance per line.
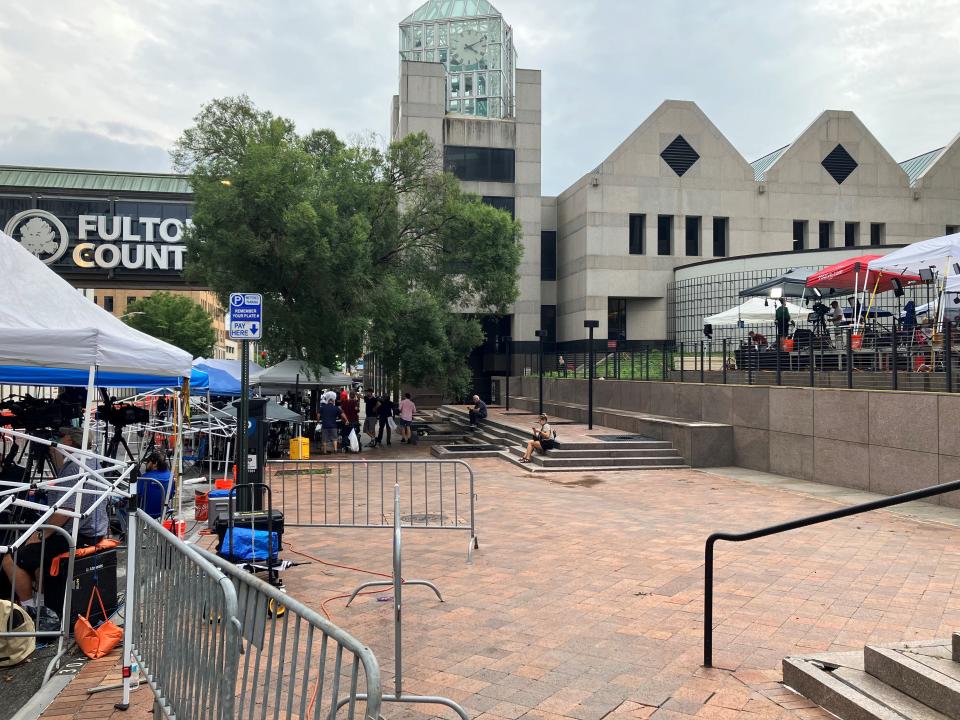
x=894, y=356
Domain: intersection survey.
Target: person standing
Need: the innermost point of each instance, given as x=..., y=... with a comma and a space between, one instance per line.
x=385, y=412
x=350, y=409
x=329, y=414
x=407, y=410
x=370, y=407
x=782, y=318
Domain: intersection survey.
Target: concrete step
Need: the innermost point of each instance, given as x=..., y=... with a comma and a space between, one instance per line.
x=615, y=450
x=922, y=672
x=837, y=683
x=599, y=462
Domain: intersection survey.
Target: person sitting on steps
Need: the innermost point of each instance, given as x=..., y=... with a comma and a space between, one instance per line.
x=478, y=412
x=542, y=439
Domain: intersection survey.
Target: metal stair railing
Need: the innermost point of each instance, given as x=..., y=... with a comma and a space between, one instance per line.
x=900, y=499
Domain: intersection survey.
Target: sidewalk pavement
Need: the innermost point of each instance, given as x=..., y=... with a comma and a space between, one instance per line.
x=585, y=598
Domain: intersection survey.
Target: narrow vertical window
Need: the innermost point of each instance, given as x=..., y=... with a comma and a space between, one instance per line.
x=664, y=234
x=692, y=236
x=851, y=231
x=548, y=255
x=878, y=233
x=721, y=227
x=826, y=234
x=799, y=235
x=637, y=226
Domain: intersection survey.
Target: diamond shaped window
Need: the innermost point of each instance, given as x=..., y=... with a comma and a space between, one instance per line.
x=679, y=155
x=839, y=164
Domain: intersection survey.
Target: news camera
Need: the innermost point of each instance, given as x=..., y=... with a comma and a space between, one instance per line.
x=34, y=414
x=120, y=414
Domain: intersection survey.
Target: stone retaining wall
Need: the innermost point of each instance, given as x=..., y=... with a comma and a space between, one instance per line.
x=879, y=441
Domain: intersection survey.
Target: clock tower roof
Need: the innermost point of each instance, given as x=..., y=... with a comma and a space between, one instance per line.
x=451, y=9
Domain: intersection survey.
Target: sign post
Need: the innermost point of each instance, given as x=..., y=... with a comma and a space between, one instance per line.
x=244, y=323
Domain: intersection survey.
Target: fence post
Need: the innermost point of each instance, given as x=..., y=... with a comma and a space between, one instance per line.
x=702, y=380
x=663, y=363
x=646, y=370
x=893, y=356
x=779, y=350
x=948, y=352
x=724, y=361
x=682, y=363
x=849, y=358
x=813, y=359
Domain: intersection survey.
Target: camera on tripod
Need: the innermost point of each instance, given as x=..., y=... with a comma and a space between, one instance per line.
x=120, y=414
x=34, y=414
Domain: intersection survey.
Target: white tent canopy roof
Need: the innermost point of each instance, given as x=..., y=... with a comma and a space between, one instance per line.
x=291, y=373
x=939, y=252
x=753, y=312
x=45, y=322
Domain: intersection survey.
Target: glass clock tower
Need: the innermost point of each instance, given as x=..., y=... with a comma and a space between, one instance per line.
x=475, y=46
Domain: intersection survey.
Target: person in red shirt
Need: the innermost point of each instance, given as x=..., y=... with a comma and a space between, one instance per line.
x=350, y=407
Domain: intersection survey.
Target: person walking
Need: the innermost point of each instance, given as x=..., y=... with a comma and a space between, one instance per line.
x=407, y=411
x=350, y=409
x=385, y=413
x=371, y=405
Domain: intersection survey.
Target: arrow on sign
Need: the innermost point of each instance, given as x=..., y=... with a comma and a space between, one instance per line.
x=253, y=329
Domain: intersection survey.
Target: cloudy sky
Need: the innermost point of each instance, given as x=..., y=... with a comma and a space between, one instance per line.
x=111, y=83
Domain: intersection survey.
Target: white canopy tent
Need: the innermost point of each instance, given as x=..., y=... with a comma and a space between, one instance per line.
x=754, y=311
x=938, y=255
x=45, y=322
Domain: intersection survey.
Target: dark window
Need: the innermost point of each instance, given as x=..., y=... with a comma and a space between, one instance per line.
x=548, y=255
x=130, y=301
x=721, y=226
x=839, y=164
x=501, y=203
x=108, y=303
x=851, y=231
x=616, y=319
x=164, y=211
x=826, y=234
x=952, y=229
x=878, y=233
x=95, y=299
x=477, y=163
x=548, y=321
x=799, y=235
x=637, y=230
x=664, y=234
x=693, y=235
x=679, y=155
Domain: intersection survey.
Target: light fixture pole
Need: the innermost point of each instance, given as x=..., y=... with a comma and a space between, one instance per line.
x=590, y=325
x=508, y=342
x=541, y=334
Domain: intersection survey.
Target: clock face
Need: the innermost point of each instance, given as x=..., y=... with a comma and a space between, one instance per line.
x=468, y=47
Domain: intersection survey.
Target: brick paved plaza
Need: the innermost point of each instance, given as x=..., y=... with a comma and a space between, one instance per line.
x=585, y=598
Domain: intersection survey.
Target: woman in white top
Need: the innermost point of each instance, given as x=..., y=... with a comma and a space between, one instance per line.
x=542, y=439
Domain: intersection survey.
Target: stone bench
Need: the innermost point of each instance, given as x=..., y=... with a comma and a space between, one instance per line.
x=702, y=444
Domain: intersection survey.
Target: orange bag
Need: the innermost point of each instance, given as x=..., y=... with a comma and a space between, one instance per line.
x=96, y=642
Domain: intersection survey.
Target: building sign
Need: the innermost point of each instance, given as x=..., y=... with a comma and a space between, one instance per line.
x=102, y=242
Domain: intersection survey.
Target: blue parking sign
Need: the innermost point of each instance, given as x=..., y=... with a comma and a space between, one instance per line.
x=245, y=319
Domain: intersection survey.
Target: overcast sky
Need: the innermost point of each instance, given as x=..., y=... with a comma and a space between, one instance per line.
x=111, y=83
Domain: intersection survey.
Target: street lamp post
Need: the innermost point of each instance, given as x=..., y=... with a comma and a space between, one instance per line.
x=508, y=342
x=541, y=334
x=590, y=325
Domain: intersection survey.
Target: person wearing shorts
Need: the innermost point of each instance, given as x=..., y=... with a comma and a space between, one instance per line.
x=329, y=433
x=407, y=410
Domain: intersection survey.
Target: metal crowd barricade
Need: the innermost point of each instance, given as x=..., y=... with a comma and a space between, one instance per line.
x=182, y=627
x=215, y=642
x=63, y=630
x=435, y=494
x=398, y=582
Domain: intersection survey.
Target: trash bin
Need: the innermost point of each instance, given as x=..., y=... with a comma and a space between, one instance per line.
x=299, y=448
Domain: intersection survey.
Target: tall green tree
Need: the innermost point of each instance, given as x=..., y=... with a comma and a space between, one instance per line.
x=353, y=247
x=175, y=319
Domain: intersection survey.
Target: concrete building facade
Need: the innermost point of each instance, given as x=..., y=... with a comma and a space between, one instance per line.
x=674, y=193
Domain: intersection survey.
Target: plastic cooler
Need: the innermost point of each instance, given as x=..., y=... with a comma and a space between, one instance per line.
x=299, y=448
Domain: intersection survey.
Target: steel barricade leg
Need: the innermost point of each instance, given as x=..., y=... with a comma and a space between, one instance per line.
x=129, y=626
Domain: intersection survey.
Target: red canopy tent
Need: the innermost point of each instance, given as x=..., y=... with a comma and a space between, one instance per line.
x=851, y=274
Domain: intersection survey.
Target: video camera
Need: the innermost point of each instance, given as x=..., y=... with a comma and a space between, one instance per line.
x=34, y=414
x=121, y=414
x=817, y=312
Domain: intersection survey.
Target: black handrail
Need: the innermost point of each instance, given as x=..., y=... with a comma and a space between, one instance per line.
x=793, y=525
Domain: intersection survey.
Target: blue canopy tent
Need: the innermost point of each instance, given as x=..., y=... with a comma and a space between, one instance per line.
x=67, y=377
x=222, y=381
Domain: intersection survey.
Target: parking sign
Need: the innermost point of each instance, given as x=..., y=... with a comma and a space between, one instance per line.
x=245, y=320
